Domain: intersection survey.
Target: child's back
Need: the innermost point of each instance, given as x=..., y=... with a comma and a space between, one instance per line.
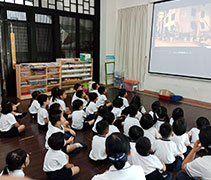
x=78, y=117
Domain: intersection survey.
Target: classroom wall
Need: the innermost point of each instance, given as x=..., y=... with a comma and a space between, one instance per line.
x=187, y=87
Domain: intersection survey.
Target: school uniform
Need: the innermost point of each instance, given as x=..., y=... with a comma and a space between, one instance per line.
x=91, y=108
x=158, y=124
x=194, y=133
x=128, y=172
x=133, y=152
x=54, y=165
x=152, y=114
x=143, y=110
x=125, y=102
x=117, y=112
x=129, y=122
x=78, y=120
x=99, y=118
x=166, y=150
x=181, y=142
x=74, y=98
x=33, y=109
x=95, y=91
x=138, y=115
x=101, y=100
x=60, y=102
x=7, y=127
x=199, y=168
x=112, y=129
x=171, y=121
x=84, y=102
x=98, y=148
x=15, y=173
x=41, y=115
x=152, y=134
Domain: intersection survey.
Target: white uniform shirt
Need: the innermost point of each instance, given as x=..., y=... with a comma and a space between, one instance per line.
x=165, y=150
x=143, y=110
x=60, y=102
x=117, y=112
x=98, y=148
x=95, y=91
x=138, y=115
x=125, y=102
x=133, y=152
x=194, y=133
x=158, y=124
x=84, y=102
x=54, y=160
x=74, y=98
x=152, y=134
x=6, y=122
x=16, y=173
x=91, y=108
x=152, y=114
x=129, y=122
x=51, y=130
x=171, y=121
x=41, y=115
x=99, y=118
x=149, y=163
x=181, y=142
x=200, y=167
x=78, y=119
x=101, y=100
x=35, y=106
x=112, y=129
x=128, y=172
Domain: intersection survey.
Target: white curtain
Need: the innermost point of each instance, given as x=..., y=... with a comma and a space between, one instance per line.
x=130, y=43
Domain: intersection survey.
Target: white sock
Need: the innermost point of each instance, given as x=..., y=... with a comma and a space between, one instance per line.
x=79, y=145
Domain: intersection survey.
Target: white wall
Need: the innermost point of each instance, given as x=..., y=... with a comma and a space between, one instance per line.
x=187, y=87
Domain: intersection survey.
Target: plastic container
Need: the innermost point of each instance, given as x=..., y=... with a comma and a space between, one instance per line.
x=25, y=73
x=176, y=98
x=53, y=70
x=118, y=78
x=130, y=85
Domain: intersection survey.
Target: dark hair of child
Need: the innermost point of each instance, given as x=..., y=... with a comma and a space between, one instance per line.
x=205, y=138
x=93, y=96
x=109, y=117
x=143, y=146
x=146, y=121
x=126, y=111
x=102, y=110
x=35, y=94
x=117, y=149
x=56, y=141
x=55, y=108
x=55, y=117
x=14, y=160
x=6, y=107
x=94, y=86
x=202, y=122
x=42, y=98
x=155, y=109
x=135, y=132
x=60, y=93
x=165, y=130
x=133, y=111
x=122, y=92
x=79, y=93
x=76, y=86
x=101, y=127
x=77, y=104
x=101, y=89
x=177, y=113
x=136, y=100
x=162, y=114
x=118, y=102
x=54, y=93
x=179, y=126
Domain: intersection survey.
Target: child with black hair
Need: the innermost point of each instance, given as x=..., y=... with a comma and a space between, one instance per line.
x=166, y=150
x=80, y=94
x=97, y=152
x=16, y=162
x=34, y=106
x=91, y=107
x=77, y=87
x=79, y=120
x=54, y=95
x=131, y=120
x=180, y=137
x=137, y=101
x=55, y=125
x=102, y=111
x=176, y=114
x=118, y=150
x=135, y=132
x=150, y=131
x=123, y=94
x=102, y=99
x=117, y=104
x=56, y=163
x=162, y=117
x=9, y=127
x=150, y=163
x=109, y=117
x=201, y=122
x=95, y=87
x=200, y=167
x=154, y=112
x=42, y=114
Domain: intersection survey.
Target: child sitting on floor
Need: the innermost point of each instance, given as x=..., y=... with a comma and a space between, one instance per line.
x=102, y=99
x=80, y=94
x=154, y=112
x=56, y=162
x=97, y=152
x=34, y=106
x=16, y=162
x=95, y=87
x=162, y=117
x=77, y=87
x=176, y=114
x=9, y=127
x=117, y=104
x=91, y=108
x=123, y=94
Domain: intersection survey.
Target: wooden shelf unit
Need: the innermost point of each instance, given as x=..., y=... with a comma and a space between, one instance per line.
x=75, y=71
x=29, y=79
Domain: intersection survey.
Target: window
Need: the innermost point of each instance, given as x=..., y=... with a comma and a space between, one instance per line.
x=23, y=2
x=40, y=18
x=16, y=15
